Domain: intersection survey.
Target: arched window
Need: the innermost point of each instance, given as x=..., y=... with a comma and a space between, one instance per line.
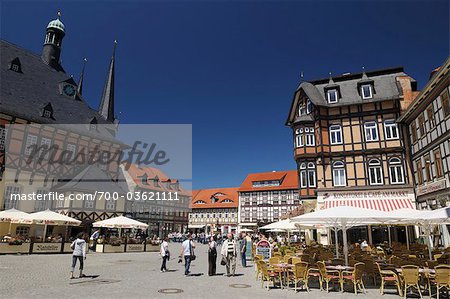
x=375, y=172
x=396, y=173
x=339, y=178
x=311, y=175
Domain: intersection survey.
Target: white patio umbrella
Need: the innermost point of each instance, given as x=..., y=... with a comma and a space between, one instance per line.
x=49, y=217
x=427, y=220
x=344, y=217
x=14, y=216
x=245, y=230
x=284, y=225
x=120, y=222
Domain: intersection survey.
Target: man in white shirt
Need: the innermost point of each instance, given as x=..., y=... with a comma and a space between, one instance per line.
x=229, y=252
x=187, y=250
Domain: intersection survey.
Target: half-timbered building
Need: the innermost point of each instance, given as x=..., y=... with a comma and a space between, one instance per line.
x=427, y=128
x=42, y=105
x=348, y=147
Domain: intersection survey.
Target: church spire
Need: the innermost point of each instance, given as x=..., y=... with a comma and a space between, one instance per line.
x=106, y=108
x=80, y=82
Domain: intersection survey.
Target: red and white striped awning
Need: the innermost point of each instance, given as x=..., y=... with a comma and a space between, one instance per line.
x=385, y=205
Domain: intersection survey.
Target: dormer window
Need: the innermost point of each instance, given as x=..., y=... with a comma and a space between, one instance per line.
x=144, y=179
x=15, y=65
x=93, y=124
x=366, y=91
x=47, y=111
x=332, y=96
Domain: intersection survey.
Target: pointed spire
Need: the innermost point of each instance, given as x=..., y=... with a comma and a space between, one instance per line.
x=106, y=108
x=364, y=76
x=80, y=82
x=331, y=79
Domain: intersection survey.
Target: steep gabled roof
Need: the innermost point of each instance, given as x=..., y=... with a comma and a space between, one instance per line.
x=36, y=85
x=384, y=83
x=288, y=180
x=202, y=199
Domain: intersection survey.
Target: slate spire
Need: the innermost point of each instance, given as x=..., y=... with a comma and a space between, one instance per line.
x=106, y=108
x=80, y=82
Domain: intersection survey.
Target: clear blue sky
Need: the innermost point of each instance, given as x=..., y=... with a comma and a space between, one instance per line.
x=230, y=68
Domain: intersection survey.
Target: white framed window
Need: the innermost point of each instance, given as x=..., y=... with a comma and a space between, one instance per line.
x=390, y=129
x=303, y=176
x=46, y=143
x=41, y=205
x=311, y=175
x=339, y=178
x=396, y=174
x=375, y=172
x=30, y=143
x=332, y=96
x=15, y=67
x=302, y=108
x=299, y=138
x=110, y=205
x=89, y=204
x=72, y=148
x=3, y=132
x=371, y=131
x=10, y=203
x=366, y=91
x=47, y=113
x=335, y=134
x=309, y=106
x=309, y=136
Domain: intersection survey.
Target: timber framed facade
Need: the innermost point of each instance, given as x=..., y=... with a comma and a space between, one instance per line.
x=348, y=148
x=427, y=123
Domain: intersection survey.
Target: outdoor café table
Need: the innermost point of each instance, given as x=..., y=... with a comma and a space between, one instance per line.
x=284, y=267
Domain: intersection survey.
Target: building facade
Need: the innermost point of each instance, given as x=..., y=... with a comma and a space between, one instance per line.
x=267, y=197
x=147, y=186
x=214, y=210
x=41, y=105
x=427, y=127
x=348, y=148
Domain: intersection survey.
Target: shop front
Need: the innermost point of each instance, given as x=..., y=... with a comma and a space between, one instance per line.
x=386, y=200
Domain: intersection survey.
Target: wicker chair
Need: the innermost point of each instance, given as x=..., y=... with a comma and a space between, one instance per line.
x=268, y=275
x=441, y=279
x=299, y=274
x=355, y=276
x=328, y=276
x=410, y=277
x=389, y=277
x=315, y=273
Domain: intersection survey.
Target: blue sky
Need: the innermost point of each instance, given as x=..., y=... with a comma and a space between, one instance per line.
x=230, y=68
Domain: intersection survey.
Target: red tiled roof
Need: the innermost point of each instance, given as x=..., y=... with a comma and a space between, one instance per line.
x=152, y=173
x=288, y=178
x=222, y=194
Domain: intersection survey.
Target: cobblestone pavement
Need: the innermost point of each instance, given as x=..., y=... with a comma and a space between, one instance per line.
x=137, y=275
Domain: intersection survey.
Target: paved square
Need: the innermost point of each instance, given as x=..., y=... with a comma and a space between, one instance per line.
x=136, y=275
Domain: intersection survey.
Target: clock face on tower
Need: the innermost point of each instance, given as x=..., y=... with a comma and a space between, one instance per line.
x=69, y=90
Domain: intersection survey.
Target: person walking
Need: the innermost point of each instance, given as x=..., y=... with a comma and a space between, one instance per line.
x=229, y=252
x=212, y=256
x=187, y=251
x=79, y=253
x=243, y=249
x=165, y=254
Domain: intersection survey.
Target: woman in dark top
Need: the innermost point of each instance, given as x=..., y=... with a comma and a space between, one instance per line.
x=212, y=256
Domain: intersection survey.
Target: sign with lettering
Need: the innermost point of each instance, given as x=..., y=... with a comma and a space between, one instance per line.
x=135, y=247
x=46, y=247
x=263, y=248
x=431, y=187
